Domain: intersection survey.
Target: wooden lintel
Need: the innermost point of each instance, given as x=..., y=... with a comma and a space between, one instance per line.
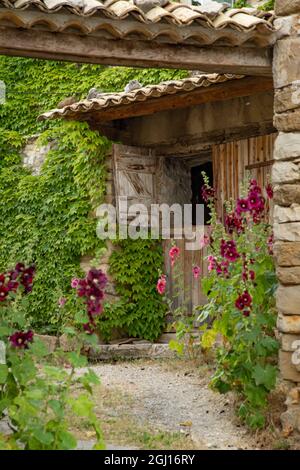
x=136, y=53
x=219, y=92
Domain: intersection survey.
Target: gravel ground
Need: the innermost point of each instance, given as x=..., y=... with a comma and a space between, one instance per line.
x=173, y=400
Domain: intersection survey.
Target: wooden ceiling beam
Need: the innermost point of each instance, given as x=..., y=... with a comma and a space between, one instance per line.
x=136, y=53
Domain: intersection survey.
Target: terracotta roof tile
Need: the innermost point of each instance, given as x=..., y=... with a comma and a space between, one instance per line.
x=109, y=100
x=176, y=21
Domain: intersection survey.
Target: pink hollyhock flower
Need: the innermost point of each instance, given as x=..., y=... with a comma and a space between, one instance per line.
x=161, y=284
x=211, y=263
x=242, y=206
x=269, y=190
x=174, y=253
x=20, y=339
x=74, y=283
x=204, y=241
x=196, y=272
x=62, y=302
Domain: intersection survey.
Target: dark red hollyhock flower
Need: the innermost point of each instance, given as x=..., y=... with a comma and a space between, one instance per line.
x=245, y=275
x=246, y=298
x=233, y=223
x=232, y=255
x=239, y=303
x=96, y=277
x=82, y=288
x=2, y=279
x=12, y=286
x=254, y=201
x=269, y=190
x=252, y=275
x=253, y=186
x=20, y=339
x=93, y=293
x=3, y=293
x=246, y=313
x=94, y=308
x=242, y=206
x=20, y=267
x=228, y=250
x=207, y=193
x=89, y=327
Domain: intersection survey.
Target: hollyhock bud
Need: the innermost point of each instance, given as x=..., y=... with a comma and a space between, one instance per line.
x=196, y=272
x=269, y=191
x=207, y=193
x=252, y=275
x=246, y=313
x=174, y=253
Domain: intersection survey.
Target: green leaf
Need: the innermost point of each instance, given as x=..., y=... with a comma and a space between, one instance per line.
x=265, y=376
x=3, y=373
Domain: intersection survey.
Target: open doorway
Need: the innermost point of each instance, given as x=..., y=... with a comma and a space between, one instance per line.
x=197, y=183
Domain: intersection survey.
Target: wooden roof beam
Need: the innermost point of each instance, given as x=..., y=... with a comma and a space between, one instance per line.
x=136, y=53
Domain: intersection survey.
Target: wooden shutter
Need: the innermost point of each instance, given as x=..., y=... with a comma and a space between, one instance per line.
x=134, y=173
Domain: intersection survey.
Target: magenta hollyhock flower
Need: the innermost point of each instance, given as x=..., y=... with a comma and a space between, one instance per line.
x=20, y=339
x=196, y=271
x=231, y=255
x=269, y=191
x=204, y=241
x=254, y=201
x=242, y=206
x=161, y=284
x=94, y=308
x=74, y=283
x=233, y=223
x=207, y=193
x=82, y=288
x=174, y=253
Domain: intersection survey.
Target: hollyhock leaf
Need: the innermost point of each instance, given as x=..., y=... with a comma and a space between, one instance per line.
x=67, y=440
x=76, y=360
x=38, y=348
x=265, y=376
x=3, y=373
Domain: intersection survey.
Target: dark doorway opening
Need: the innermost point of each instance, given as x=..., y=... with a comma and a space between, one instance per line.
x=197, y=183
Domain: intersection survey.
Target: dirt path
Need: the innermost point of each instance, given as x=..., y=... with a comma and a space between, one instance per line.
x=171, y=398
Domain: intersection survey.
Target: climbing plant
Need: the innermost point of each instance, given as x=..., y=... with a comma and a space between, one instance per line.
x=48, y=219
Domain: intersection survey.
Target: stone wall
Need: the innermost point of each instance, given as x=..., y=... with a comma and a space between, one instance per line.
x=286, y=180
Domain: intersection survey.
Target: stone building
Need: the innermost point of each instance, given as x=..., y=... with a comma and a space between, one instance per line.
x=214, y=39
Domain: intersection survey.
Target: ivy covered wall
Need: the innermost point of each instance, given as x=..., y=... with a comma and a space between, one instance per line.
x=48, y=219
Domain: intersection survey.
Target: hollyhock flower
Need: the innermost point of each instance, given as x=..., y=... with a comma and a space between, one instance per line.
x=89, y=328
x=196, y=272
x=94, y=308
x=252, y=275
x=62, y=302
x=161, y=284
x=74, y=283
x=242, y=206
x=233, y=223
x=20, y=339
x=239, y=303
x=254, y=201
x=174, y=253
x=96, y=277
x=82, y=288
x=12, y=286
x=204, y=241
x=3, y=293
x=246, y=313
x=269, y=191
x=211, y=263
x=246, y=298
x=2, y=279
x=207, y=193
x=19, y=268
x=245, y=276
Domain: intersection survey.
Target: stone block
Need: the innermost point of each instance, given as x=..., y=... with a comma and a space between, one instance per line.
x=287, y=146
x=289, y=232
x=287, y=98
x=285, y=172
x=288, y=342
x=287, y=7
x=288, y=370
x=288, y=275
x=286, y=64
x=288, y=324
x=283, y=215
x=287, y=254
x=286, y=194
x=288, y=121
x=50, y=342
x=288, y=299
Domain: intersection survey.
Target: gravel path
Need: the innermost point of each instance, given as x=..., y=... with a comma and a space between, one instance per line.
x=168, y=399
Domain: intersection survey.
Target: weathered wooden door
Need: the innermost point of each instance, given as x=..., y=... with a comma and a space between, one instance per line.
x=134, y=176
